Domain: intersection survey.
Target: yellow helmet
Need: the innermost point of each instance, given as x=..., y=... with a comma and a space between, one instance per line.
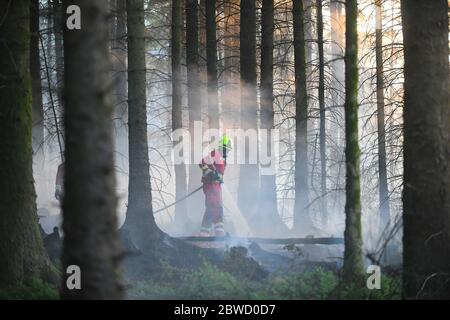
x=225, y=142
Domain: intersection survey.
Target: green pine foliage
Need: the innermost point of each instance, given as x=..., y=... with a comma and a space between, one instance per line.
x=210, y=282
x=32, y=289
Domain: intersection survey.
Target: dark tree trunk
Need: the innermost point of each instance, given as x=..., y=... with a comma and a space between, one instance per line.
x=177, y=101
x=230, y=99
x=302, y=221
x=269, y=217
x=211, y=64
x=382, y=165
x=249, y=174
x=353, y=263
x=322, y=130
x=89, y=205
x=140, y=222
x=308, y=27
x=194, y=101
x=426, y=195
x=36, y=85
x=21, y=248
x=203, y=59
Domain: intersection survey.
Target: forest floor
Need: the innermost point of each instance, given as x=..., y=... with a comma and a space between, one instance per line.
x=250, y=272
x=253, y=273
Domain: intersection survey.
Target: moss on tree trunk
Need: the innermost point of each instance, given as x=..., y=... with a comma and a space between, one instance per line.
x=353, y=259
x=21, y=248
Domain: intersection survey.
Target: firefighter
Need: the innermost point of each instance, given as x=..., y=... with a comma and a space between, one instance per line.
x=213, y=168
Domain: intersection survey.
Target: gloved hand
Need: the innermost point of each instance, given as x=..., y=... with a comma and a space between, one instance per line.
x=208, y=173
x=215, y=176
x=211, y=175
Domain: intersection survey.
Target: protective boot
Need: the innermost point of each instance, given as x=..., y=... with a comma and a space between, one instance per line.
x=205, y=232
x=219, y=230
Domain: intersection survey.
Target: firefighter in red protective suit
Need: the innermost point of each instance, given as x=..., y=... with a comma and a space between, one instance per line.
x=213, y=167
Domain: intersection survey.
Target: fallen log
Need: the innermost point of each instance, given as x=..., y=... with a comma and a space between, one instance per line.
x=280, y=241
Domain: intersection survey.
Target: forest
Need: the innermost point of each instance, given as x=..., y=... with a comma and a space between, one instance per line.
x=224, y=149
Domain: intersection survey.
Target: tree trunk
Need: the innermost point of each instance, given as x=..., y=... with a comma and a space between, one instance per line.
x=89, y=205
x=302, y=221
x=140, y=222
x=202, y=61
x=322, y=130
x=177, y=101
x=382, y=172
x=308, y=27
x=337, y=89
x=249, y=174
x=194, y=101
x=119, y=57
x=36, y=86
x=230, y=92
x=426, y=195
x=268, y=208
x=59, y=53
x=336, y=107
x=21, y=248
x=337, y=61
x=353, y=263
x=211, y=64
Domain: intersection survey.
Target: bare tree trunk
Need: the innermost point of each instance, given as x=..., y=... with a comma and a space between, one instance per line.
x=21, y=248
x=302, y=221
x=89, y=205
x=353, y=263
x=194, y=101
x=211, y=64
x=177, y=101
x=203, y=60
x=322, y=130
x=249, y=174
x=426, y=195
x=36, y=86
x=269, y=219
x=230, y=93
x=308, y=27
x=382, y=165
x=140, y=222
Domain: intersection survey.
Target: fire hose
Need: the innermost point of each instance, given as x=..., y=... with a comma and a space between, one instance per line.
x=179, y=200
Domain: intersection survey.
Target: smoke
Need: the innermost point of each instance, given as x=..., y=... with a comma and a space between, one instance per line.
x=45, y=165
